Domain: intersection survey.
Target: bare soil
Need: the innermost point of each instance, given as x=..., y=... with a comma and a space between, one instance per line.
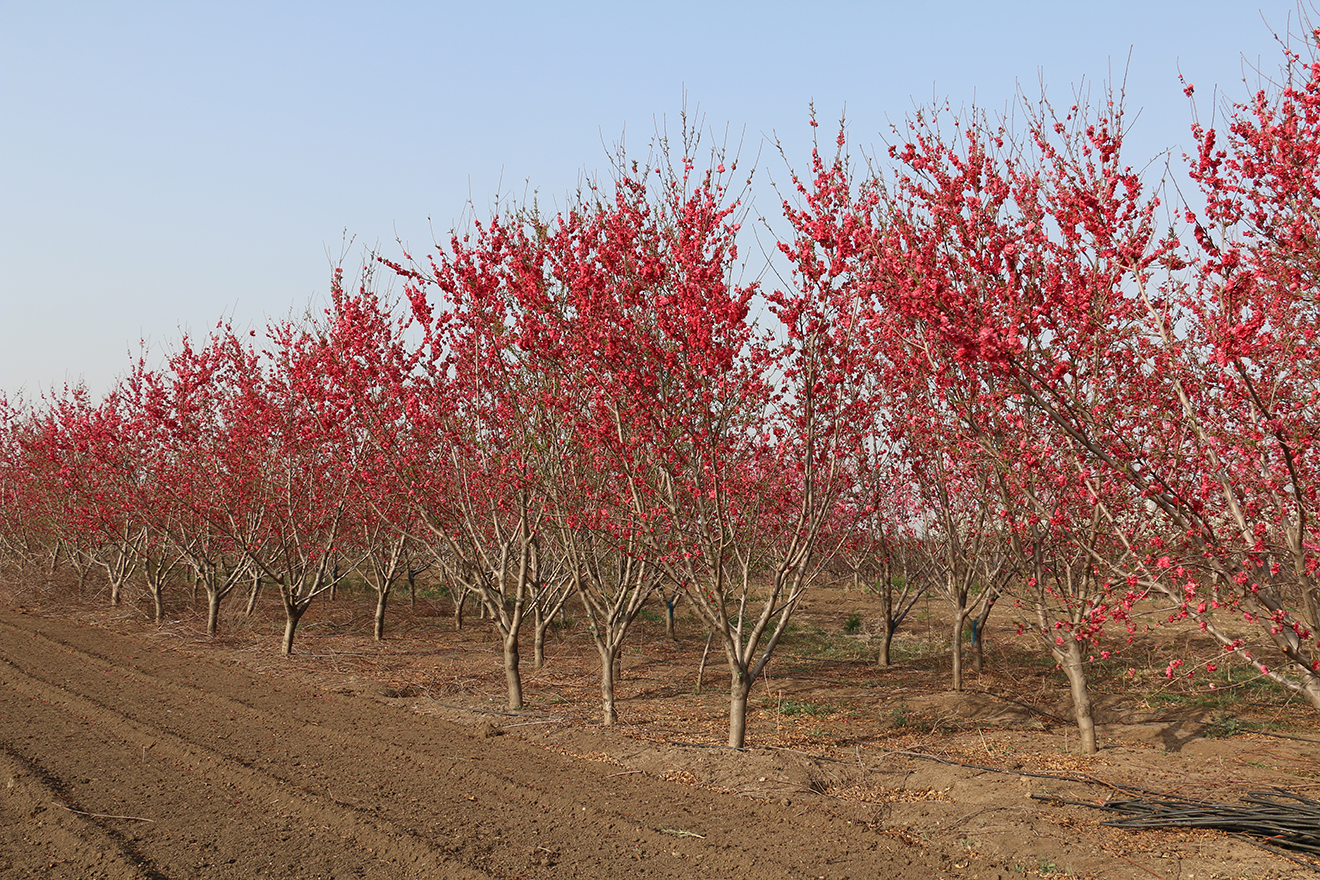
x=134, y=750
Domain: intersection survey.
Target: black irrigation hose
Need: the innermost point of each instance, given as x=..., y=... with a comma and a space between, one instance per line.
x=1084, y=780
x=1216, y=724
x=1281, y=821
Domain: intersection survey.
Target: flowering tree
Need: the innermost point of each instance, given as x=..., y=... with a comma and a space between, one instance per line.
x=87, y=455
x=1247, y=371
x=29, y=534
x=483, y=424
x=189, y=489
x=287, y=463
x=368, y=364
x=1008, y=269
x=728, y=446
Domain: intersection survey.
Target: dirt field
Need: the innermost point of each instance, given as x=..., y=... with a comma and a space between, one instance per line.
x=131, y=750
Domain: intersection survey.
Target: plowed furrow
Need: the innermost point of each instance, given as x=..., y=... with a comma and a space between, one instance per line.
x=210, y=790
x=247, y=775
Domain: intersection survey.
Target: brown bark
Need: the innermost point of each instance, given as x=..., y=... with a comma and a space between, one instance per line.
x=378, y=625
x=1070, y=658
x=512, y=676
x=739, y=687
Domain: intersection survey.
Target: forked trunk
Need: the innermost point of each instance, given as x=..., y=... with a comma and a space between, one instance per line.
x=1310, y=688
x=460, y=599
x=292, y=614
x=670, y=604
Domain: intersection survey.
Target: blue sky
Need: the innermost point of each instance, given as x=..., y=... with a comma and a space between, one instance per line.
x=164, y=164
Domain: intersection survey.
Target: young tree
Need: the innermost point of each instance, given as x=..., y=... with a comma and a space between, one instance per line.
x=368, y=364
x=189, y=490
x=287, y=462
x=28, y=533
x=87, y=448
x=482, y=420
x=730, y=448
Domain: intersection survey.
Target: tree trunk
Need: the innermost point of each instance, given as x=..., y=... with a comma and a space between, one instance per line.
x=158, y=598
x=886, y=640
x=412, y=588
x=670, y=603
x=538, y=646
x=959, y=618
x=1070, y=658
x=252, y=596
x=378, y=629
x=292, y=614
x=609, y=715
x=739, y=686
x=978, y=633
x=460, y=599
x=213, y=612
x=885, y=589
x=511, y=674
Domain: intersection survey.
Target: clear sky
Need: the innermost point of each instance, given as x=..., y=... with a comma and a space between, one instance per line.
x=164, y=164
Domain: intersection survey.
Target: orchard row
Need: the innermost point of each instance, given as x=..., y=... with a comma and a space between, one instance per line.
x=996, y=367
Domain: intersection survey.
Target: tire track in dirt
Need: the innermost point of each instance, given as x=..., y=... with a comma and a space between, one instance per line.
x=250, y=776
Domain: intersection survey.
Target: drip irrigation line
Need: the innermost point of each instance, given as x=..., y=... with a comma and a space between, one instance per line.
x=676, y=742
x=1281, y=821
x=1085, y=780
x=1301, y=739
x=1281, y=852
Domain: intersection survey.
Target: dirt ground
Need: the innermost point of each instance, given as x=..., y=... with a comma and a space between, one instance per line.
x=129, y=749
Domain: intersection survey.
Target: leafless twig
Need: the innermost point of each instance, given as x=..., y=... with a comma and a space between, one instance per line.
x=100, y=815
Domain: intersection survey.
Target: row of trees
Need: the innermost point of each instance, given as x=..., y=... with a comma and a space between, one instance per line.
x=991, y=370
